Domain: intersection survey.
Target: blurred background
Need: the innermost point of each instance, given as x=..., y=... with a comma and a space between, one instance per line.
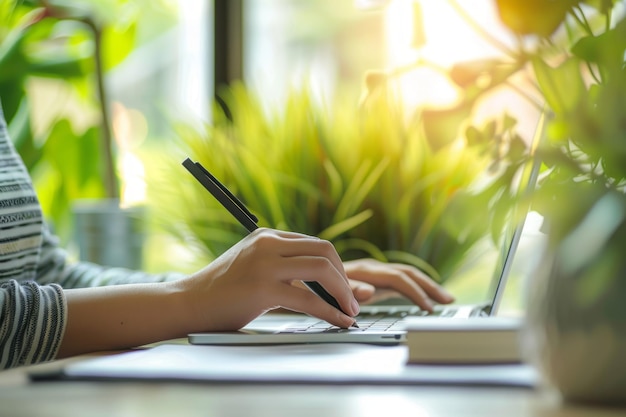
x=162, y=79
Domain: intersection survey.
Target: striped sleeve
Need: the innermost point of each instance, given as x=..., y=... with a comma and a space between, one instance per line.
x=54, y=267
x=34, y=269
x=32, y=320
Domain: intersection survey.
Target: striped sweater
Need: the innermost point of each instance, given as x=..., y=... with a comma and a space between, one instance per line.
x=34, y=269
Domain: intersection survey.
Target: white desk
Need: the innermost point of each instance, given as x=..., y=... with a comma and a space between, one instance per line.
x=19, y=397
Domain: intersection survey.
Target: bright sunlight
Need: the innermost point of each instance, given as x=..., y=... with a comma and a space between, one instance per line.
x=439, y=34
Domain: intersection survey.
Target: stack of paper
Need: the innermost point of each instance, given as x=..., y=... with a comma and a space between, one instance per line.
x=316, y=363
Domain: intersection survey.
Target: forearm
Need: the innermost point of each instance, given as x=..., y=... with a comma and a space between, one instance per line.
x=124, y=316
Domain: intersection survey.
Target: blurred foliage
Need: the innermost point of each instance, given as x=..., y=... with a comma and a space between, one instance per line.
x=361, y=177
x=583, y=82
x=573, y=51
x=58, y=40
x=579, y=67
x=580, y=70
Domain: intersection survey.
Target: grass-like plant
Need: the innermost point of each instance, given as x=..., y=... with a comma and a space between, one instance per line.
x=362, y=177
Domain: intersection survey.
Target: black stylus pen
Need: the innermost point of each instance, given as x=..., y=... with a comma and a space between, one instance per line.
x=245, y=217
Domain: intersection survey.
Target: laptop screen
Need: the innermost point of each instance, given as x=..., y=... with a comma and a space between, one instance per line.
x=498, y=255
x=515, y=226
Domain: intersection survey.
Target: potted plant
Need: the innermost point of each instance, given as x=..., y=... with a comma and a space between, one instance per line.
x=573, y=51
x=77, y=183
x=577, y=329
x=360, y=176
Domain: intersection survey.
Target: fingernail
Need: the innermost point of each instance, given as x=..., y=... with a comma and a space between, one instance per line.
x=447, y=295
x=348, y=322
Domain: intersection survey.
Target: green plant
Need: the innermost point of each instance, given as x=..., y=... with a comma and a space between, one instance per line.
x=575, y=302
x=578, y=67
x=44, y=41
x=572, y=51
x=586, y=92
x=66, y=48
x=361, y=177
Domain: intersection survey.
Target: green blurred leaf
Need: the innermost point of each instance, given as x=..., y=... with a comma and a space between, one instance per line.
x=13, y=62
x=361, y=246
x=483, y=71
x=517, y=148
x=117, y=44
x=59, y=67
x=602, y=5
x=334, y=178
x=337, y=229
x=22, y=137
x=359, y=188
x=442, y=126
x=69, y=170
x=75, y=157
x=562, y=86
x=11, y=96
x=606, y=49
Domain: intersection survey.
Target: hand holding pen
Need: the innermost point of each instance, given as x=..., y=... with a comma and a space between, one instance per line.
x=248, y=220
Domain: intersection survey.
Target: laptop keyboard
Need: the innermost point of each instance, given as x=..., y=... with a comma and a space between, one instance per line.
x=374, y=319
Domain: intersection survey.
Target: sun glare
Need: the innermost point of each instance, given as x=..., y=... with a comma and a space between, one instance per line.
x=447, y=35
x=130, y=130
x=448, y=38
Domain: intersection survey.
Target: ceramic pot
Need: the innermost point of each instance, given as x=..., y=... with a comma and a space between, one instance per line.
x=576, y=324
x=108, y=234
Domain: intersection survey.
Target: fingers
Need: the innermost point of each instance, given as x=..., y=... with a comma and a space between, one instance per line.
x=430, y=287
x=297, y=244
x=399, y=281
x=407, y=280
x=306, y=258
x=260, y=273
x=302, y=300
x=323, y=271
x=362, y=291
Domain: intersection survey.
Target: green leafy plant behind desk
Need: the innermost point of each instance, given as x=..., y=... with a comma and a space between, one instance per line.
x=362, y=177
x=54, y=58
x=47, y=46
x=576, y=331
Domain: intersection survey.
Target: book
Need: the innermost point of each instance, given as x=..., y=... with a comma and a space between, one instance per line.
x=471, y=340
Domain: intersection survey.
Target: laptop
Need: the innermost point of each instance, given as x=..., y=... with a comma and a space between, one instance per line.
x=384, y=324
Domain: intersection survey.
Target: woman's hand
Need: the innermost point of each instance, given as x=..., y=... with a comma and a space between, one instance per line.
x=372, y=280
x=256, y=275
x=252, y=277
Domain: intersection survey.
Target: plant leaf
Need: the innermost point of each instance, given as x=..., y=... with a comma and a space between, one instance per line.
x=442, y=126
x=562, y=86
x=334, y=231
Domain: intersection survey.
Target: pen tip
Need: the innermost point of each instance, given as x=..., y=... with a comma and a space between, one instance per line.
x=355, y=325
